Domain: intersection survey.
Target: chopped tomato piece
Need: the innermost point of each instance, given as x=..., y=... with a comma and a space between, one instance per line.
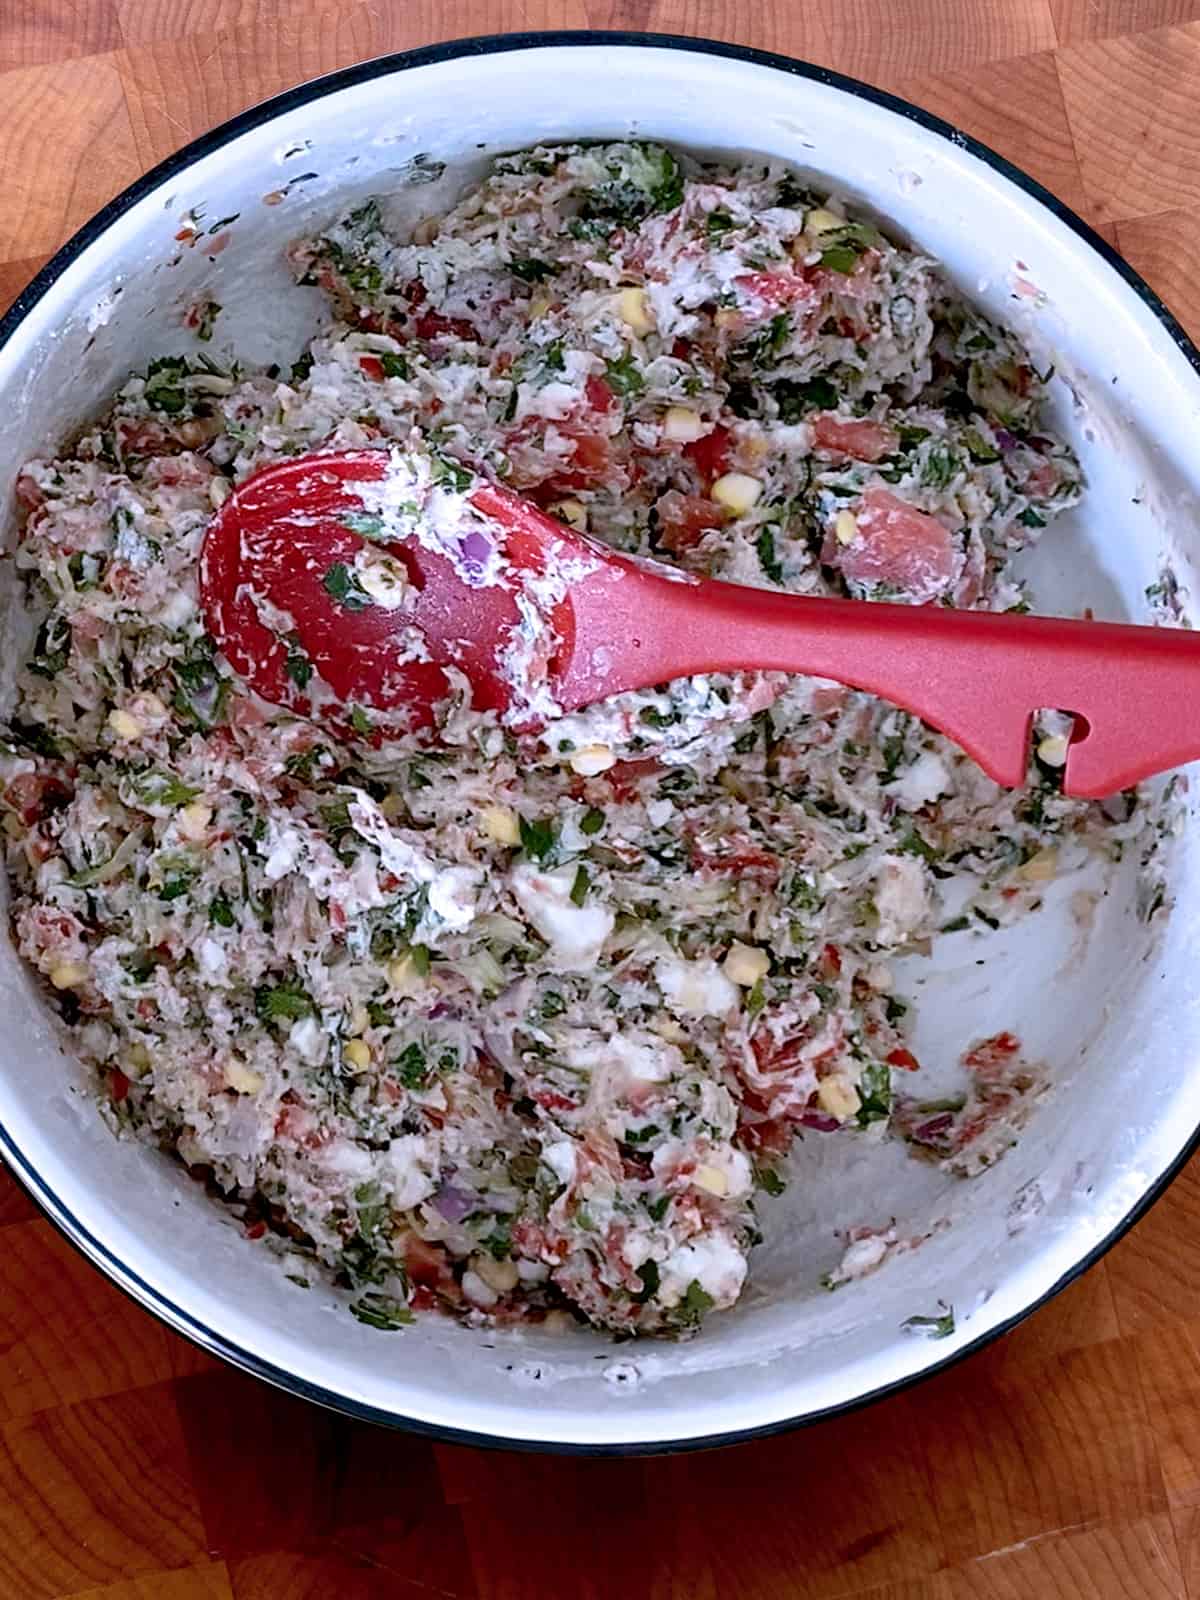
x=858, y=437
x=433, y=325
x=551, y=1100
x=829, y=962
x=623, y=777
x=598, y=394
x=372, y=366
x=33, y=794
x=904, y=1059
x=684, y=519
x=1043, y=480
x=735, y=855
x=896, y=544
x=770, y=292
x=710, y=455
x=989, y=1055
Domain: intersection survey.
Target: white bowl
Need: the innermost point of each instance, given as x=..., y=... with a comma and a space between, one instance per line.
x=1114, y=1011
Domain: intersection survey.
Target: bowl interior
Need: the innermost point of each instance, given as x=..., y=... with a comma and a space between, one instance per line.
x=1086, y=996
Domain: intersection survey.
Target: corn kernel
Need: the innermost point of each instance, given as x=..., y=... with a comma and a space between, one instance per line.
x=728, y=319
x=1041, y=867
x=193, y=820
x=479, y=1292
x=502, y=1276
x=591, y=759
x=1053, y=750
x=683, y=425
x=386, y=581
x=736, y=491
x=501, y=824
x=123, y=725
x=666, y=1027
x=68, y=974
x=838, y=1097
x=539, y=305
x=712, y=1179
x=241, y=1077
x=392, y=805
x=633, y=308
x=402, y=975
x=845, y=527
x=138, y=1060
x=359, y=1020
x=821, y=221
x=746, y=964
x=572, y=512
x=356, y=1053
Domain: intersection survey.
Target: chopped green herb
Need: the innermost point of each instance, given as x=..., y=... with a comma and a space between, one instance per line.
x=341, y=584
x=696, y=1302
x=768, y=560
x=452, y=474
x=795, y=399
x=718, y=223
x=411, y=1067
x=220, y=912
x=592, y=820
x=769, y=1181
x=637, y=1136
x=649, y=1274
x=367, y=523
x=538, y=837
x=624, y=375
x=382, y=1311
x=841, y=258
x=941, y=464
x=52, y=647
x=940, y=1327
x=579, y=889
x=299, y=667
x=165, y=384
x=530, y=270
x=393, y=363
x=283, y=1002
x=498, y=1243
x=206, y=320
x=162, y=789
x=874, y=1093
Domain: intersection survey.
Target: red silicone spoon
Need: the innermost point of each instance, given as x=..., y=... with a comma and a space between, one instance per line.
x=279, y=607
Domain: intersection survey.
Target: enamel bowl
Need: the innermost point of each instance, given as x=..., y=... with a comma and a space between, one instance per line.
x=1105, y=996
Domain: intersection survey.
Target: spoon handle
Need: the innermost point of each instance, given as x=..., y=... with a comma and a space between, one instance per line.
x=977, y=676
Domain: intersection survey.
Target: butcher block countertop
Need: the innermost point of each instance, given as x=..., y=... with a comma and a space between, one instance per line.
x=1063, y=1461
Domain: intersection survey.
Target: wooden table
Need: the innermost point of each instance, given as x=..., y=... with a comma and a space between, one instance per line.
x=1065, y=1460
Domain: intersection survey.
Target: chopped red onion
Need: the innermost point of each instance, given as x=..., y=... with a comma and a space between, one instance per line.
x=454, y=1203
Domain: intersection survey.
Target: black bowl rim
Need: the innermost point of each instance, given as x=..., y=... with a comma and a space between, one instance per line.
x=69, y=1225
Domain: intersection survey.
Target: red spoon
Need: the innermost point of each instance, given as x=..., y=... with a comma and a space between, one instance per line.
x=288, y=536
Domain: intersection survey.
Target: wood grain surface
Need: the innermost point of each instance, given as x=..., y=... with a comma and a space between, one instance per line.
x=1062, y=1462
